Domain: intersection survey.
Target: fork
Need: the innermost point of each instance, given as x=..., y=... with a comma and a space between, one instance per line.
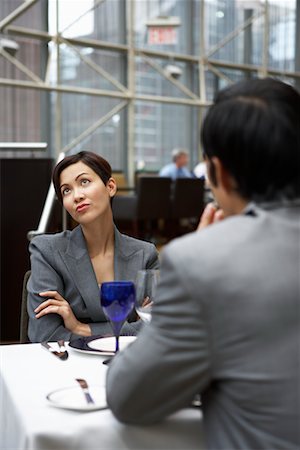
x=62, y=348
x=62, y=355
x=84, y=386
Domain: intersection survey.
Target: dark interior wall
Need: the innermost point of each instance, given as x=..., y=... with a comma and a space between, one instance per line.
x=24, y=185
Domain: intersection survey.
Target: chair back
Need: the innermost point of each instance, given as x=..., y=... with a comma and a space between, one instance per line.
x=188, y=198
x=24, y=314
x=153, y=198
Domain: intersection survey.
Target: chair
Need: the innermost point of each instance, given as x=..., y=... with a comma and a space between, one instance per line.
x=24, y=315
x=151, y=202
x=187, y=202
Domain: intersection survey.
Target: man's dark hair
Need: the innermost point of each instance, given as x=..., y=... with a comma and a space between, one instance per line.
x=254, y=129
x=92, y=160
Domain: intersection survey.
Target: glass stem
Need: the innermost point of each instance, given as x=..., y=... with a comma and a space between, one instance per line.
x=117, y=344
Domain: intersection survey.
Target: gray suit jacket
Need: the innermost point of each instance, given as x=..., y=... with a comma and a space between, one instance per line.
x=225, y=324
x=61, y=262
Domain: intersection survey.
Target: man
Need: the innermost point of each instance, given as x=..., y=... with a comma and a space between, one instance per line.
x=178, y=168
x=225, y=323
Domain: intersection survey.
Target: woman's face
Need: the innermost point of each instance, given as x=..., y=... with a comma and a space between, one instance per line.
x=84, y=194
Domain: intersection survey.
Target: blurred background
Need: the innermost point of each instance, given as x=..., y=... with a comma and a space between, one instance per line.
x=128, y=79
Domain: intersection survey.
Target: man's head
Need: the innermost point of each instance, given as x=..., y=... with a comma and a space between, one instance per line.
x=180, y=157
x=253, y=131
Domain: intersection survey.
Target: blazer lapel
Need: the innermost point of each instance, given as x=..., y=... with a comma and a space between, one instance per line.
x=79, y=264
x=127, y=260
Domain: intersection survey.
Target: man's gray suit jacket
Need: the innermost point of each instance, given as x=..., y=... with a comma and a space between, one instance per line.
x=61, y=262
x=225, y=324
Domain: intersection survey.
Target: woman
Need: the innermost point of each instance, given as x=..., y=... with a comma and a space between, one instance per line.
x=67, y=268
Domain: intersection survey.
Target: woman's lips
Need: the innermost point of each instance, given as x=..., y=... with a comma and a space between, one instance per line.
x=81, y=208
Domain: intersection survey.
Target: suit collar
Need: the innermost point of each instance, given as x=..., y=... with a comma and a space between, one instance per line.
x=127, y=260
x=81, y=270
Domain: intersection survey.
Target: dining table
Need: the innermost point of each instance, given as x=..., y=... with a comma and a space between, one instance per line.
x=34, y=384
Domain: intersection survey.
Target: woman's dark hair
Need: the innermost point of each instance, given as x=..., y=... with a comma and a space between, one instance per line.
x=98, y=164
x=254, y=129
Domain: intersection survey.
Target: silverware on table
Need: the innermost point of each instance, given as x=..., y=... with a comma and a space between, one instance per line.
x=84, y=386
x=62, y=354
x=62, y=347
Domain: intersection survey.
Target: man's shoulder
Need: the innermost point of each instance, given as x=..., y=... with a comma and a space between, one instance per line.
x=167, y=170
x=223, y=235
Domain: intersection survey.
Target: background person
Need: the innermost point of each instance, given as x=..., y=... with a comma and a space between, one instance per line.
x=200, y=170
x=226, y=322
x=67, y=268
x=178, y=168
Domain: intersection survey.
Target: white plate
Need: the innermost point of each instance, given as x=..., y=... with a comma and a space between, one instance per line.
x=107, y=345
x=73, y=398
x=100, y=345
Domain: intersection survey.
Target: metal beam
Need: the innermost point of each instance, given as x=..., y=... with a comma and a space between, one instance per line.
x=20, y=66
x=94, y=126
x=176, y=83
x=130, y=15
x=16, y=13
x=233, y=34
x=63, y=88
x=96, y=3
x=265, y=59
x=95, y=66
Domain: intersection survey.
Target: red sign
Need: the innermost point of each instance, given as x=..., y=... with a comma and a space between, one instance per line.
x=162, y=35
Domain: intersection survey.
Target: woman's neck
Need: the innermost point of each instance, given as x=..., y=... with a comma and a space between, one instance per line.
x=99, y=236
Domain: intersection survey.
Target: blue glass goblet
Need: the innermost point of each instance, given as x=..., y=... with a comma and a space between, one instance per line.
x=117, y=301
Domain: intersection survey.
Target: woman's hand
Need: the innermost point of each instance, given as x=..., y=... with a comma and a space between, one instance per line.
x=211, y=214
x=56, y=304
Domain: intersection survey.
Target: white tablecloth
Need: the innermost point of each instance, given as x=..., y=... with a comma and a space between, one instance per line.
x=27, y=420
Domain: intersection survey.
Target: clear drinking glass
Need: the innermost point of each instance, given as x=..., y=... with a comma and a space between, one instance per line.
x=117, y=301
x=145, y=287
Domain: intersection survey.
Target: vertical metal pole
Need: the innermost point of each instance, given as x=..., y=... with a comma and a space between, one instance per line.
x=248, y=44
x=57, y=121
x=202, y=85
x=58, y=115
x=297, y=44
x=201, y=65
x=131, y=88
x=265, y=60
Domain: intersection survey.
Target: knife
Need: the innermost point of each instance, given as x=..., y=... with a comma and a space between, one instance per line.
x=84, y=386
x=61, y=355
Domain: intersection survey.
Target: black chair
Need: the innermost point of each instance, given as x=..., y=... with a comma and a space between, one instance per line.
x=151, y=202
x=187, y=203
x=24, y=314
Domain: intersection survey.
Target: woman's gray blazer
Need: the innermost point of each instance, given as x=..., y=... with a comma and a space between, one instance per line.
x=61, y=262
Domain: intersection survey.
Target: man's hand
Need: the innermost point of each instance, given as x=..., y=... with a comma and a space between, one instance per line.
x=211, y=214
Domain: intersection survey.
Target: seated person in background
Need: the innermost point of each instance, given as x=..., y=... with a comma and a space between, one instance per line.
x=178, y=168
x=226, y=323
x=67, y=268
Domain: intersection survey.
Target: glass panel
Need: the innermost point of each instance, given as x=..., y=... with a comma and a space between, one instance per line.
x=151, y=81
x=23, y=112
x=80, y=112
x=149, y=10
x=159, y=129
x=87, y=72
x=282, y=35
x=102, y=21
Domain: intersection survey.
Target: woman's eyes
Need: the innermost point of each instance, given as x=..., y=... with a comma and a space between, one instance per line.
x=83, y=182
x=65, y=191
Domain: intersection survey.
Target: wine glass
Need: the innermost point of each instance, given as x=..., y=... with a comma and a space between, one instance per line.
x=145, y=285
x=117, y=301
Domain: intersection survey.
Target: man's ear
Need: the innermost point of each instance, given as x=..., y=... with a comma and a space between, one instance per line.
x=222, y=176
x=111, y=187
